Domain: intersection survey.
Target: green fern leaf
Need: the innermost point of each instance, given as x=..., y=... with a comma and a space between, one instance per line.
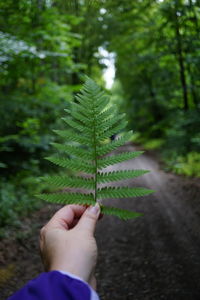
x=111, y=131
x=121, y=213
x=82, y=109
x=68, y=198
x=122, y=192
x=74, y=124
x=92, y=120
x=107, y=148
x=106, y=114
x=119, y=175
x=75, y=165
x=114, y=159
x=74, y=137
x=80, y=117
x=71, y=182
x=73, y=150
x=109, y=123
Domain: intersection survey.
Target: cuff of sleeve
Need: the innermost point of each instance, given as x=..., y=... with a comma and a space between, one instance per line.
x=94, y=295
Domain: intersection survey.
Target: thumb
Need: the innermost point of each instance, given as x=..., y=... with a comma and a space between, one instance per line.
x=89, y=219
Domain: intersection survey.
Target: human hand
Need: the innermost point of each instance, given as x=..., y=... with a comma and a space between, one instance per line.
x=67, y=241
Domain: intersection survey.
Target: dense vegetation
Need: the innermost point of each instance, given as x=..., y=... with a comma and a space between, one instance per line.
x=158, y=65
x=45, y=48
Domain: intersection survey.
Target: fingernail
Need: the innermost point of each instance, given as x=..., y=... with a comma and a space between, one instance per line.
x=94, y=209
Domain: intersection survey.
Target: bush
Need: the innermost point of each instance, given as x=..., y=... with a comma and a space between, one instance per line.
x=14, y=202
x=17, y=198
x=188, y=165
x=153, y=144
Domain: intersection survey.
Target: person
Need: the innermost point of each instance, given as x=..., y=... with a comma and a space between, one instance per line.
x=69, y=254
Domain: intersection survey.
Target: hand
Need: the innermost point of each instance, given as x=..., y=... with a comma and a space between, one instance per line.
x=67, y=241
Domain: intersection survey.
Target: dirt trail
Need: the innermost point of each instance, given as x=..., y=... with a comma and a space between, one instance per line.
x=156, y=256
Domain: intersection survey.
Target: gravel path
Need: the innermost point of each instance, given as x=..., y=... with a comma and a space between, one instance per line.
x=156, y=256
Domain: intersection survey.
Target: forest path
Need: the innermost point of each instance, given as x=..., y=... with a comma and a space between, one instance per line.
x=156, y=256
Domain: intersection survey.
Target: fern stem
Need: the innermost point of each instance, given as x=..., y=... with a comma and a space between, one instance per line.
x=95, y=157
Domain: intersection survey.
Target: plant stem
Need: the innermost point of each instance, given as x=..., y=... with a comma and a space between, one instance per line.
x=95, y=157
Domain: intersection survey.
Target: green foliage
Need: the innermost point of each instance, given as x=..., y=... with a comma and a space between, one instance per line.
x=154, y=144
x=44, y=49
x=156, y=44
x=85, y=146
x=16, y=200
x=188, y=165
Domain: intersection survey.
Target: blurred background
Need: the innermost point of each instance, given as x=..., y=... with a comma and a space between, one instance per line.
x=146, y=54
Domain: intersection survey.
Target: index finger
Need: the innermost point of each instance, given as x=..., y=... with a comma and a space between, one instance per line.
x=64, y=217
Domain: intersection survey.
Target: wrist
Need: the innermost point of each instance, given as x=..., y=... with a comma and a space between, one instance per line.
x=70, y=269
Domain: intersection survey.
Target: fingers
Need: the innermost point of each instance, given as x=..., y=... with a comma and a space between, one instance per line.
x=65, y=217
x=89, y=219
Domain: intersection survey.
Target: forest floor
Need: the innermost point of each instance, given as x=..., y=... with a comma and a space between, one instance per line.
x=153, y=257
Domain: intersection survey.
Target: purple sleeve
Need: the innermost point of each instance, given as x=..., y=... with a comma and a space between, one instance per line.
x=53, y=286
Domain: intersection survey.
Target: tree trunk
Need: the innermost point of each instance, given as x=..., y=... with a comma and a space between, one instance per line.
x=181, y=60
x=75, y=78
x=192, y=87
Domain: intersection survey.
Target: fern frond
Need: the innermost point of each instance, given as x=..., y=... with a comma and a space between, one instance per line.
x=122, y=192
x=118, y=158
x=68, y=198
x=121, y=213
x=71, y=182
x=75, y=165
x=119, y=175
x=91, y=121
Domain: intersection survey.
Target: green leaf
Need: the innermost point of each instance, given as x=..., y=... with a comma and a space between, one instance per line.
x=109, y=123
x=74, y=124
x=119, y=175
x=112, y=131
x=115, y=159
x=105, y=149
x=73, y=164
x=71, y=182
x=121, y=213
x=68, y=198
x=106, y=114
x=74, y=137
x=81, y=118
x=122, y=192
x=86, y=111
x=74, y=150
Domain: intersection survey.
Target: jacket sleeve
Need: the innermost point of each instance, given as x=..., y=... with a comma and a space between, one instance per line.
x=55, y=285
